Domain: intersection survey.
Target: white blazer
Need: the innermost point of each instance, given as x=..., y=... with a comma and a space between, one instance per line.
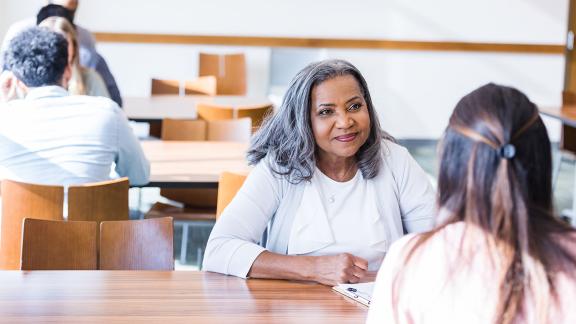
x=268, y=201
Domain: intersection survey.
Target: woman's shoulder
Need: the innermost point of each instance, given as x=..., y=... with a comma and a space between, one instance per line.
x=447, y=238
x=392, y=151
x=267, y=169
x=395, y=158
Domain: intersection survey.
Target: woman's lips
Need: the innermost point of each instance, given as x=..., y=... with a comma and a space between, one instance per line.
x=346, y=138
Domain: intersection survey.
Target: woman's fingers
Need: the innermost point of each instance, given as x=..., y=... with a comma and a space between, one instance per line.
x=360, y=263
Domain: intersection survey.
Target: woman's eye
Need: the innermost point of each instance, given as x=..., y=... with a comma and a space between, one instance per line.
x=324, y=112
x=355, y=106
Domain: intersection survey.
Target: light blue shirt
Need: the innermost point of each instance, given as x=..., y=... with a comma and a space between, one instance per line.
x=88, y=56
x=51, y=137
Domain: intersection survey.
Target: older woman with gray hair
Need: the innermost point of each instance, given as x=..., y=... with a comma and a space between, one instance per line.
x=330, y=190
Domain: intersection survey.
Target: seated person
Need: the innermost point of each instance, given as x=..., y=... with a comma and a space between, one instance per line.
x=88, y=56
x=84, y=81
x=51, y=137
x=332, y=187
x=499, y=254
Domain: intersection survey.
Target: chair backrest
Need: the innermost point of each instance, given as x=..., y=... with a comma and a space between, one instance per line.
x=208, y=111
x=59, y=245
x=229, y=69
x=228, y=185
x=204, y=85
x=99, y=201
x=257, y=113
x=163, y=87
x=183, y=129
x=234, y=130
x=137, y=244
x=19, y=201
x=187, y=130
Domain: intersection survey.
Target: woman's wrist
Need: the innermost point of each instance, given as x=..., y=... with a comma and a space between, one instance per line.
x=310, y=266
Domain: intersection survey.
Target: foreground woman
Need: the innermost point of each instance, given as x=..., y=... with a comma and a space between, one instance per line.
x=500, y=255
x=330, y=187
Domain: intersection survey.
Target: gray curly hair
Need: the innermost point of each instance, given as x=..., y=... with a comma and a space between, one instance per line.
x=287, y=135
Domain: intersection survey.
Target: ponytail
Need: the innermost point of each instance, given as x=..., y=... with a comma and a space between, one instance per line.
x=509, y=227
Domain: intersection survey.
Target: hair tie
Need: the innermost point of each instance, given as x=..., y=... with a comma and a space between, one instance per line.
x=507, y=151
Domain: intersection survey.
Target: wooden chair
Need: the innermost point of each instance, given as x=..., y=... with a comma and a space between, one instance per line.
x=257, y=113
x=59, y=245
x=21, y=200
x=228, y=185
x=165, y=87
x=99, y=201
x=183, y=129
x=137, y=244
x=199, y=204
x=230, y=71
x=234, y=130
x=204, y=85
x=208, y=111
x=187, y=130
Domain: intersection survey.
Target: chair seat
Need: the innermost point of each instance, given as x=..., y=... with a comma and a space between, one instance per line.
x=181, y=213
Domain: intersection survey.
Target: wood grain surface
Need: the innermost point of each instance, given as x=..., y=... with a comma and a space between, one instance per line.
x=167, y=297
x=193, y=162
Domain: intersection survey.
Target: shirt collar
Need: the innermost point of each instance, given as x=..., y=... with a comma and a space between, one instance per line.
x=46, y=92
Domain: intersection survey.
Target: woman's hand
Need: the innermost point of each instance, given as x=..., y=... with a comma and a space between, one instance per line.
x=341, y=268
x=327, y=270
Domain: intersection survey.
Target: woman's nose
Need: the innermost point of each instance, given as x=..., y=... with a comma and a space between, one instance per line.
x=344, y=120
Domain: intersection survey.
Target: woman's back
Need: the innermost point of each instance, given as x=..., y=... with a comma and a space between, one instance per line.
x=452, y=278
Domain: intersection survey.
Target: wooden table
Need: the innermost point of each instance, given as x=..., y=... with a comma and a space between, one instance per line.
x=566, y=115
x=166, y=297
x=193, y=164
x=156, y=108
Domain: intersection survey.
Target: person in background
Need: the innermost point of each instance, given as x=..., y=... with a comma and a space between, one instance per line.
x=88, y=56
x=499, y=254
x=48, y=136
x=332, y=187
x=84, y=81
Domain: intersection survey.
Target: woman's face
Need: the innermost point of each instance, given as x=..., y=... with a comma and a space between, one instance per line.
x=340, y=119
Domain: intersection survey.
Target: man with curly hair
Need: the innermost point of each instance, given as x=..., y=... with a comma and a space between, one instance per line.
x=48, y=136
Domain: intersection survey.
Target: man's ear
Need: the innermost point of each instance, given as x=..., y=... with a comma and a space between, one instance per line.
x=66, y=76
x=21, y=89
x=11, y=87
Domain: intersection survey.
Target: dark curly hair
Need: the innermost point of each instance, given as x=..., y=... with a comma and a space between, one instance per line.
x=37, y=57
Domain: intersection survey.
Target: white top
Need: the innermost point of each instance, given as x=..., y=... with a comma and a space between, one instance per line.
x=51, y=137
x=297, y=223
x=434, y=293
x=348, y=205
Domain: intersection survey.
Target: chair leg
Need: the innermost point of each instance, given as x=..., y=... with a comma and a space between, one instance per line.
x=184, y=246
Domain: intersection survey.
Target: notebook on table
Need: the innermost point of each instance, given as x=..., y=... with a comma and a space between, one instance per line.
x=361, y=292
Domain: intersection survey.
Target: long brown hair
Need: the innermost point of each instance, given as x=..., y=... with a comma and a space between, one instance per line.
x=495, y=173
x=63, y=26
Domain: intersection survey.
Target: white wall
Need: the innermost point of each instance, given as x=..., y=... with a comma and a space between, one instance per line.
x=414, y=91
x=540, y=21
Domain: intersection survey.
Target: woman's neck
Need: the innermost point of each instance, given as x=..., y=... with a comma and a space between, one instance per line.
x=338, y=169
